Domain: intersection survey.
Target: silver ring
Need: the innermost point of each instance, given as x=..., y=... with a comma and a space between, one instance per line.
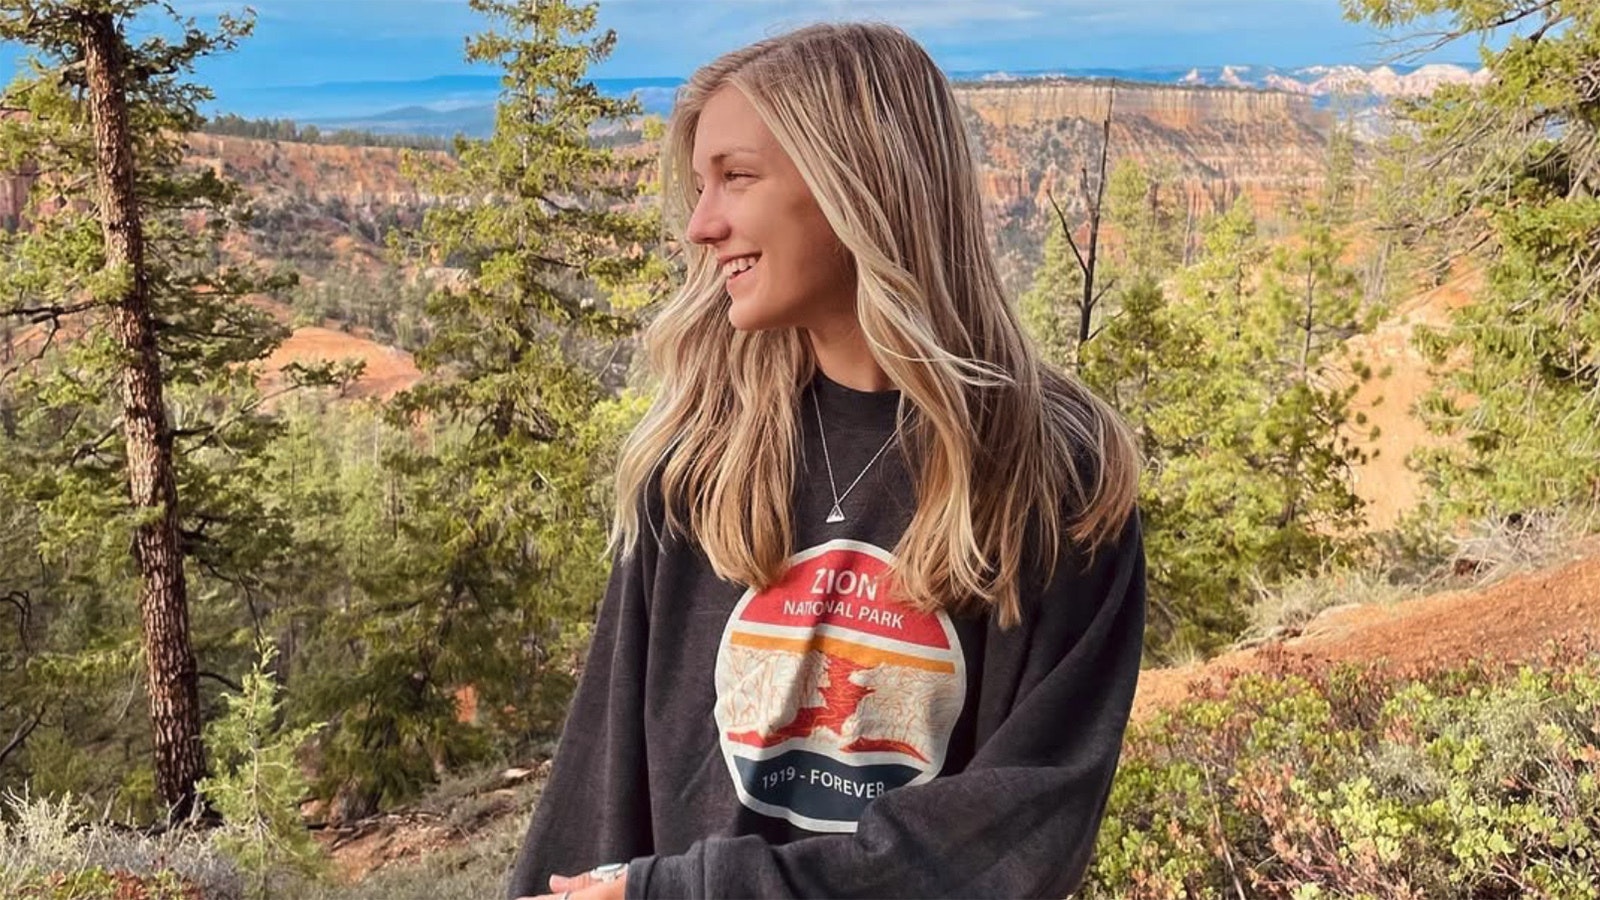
x=608, y=872
x=566, y=895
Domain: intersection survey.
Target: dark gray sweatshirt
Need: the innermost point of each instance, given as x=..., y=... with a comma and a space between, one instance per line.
x=817, y=739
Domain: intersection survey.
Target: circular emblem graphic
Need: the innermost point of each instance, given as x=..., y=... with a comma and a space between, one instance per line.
x=830, y=692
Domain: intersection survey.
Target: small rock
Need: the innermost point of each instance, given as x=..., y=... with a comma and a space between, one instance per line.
x=1325, y=615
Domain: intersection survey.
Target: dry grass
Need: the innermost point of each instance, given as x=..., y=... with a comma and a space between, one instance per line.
x=43, y=836
x=1285, y=610
x=1416, y=561
x=1505, y=546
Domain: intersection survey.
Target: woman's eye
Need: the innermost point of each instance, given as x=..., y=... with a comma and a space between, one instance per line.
x=726, y=176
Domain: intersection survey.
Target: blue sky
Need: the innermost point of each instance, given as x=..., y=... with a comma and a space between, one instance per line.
x=327, y=40
x=306, y=42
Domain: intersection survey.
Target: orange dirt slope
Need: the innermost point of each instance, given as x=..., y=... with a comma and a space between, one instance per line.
x=1510, y=619
x=1400, y=380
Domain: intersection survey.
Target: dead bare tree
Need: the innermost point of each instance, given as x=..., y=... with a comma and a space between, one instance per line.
x=1088, y=257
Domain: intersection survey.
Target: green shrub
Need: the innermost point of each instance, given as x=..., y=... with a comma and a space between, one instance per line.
x=1360, y=782
x=257, y=786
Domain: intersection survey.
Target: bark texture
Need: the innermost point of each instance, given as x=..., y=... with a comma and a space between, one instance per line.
x=163, y=597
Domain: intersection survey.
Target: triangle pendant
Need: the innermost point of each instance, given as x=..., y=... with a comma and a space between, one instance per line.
x=836, y=514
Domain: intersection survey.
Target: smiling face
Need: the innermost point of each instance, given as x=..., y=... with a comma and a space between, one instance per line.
x=782, y=262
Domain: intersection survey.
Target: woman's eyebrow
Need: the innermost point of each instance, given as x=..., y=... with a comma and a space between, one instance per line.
x=720, y=155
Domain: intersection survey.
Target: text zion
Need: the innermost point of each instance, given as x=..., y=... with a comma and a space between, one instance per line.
x=844, y=583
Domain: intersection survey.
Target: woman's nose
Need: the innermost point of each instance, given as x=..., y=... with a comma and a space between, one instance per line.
x=707, y=224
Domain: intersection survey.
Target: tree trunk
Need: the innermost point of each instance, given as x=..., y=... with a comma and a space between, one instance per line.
x=163, y=598
x=1087, y=263
x=1188, y=230
x=1096, y=206
x=8, y=414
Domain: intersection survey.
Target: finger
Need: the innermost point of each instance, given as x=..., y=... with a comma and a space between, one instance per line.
x=570, y=882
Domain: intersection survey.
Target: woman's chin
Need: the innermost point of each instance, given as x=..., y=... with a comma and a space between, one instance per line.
x=746, y=316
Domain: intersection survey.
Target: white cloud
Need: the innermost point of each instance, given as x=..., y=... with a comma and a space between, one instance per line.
x=929, y=14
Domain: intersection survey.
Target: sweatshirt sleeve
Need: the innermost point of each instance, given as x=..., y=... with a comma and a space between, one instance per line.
x=1021, y=819
x=597, y=755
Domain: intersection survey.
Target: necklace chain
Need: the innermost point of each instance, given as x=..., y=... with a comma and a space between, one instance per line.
x=836, y=514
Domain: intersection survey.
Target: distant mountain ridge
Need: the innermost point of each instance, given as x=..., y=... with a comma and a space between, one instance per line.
x=1327, y=81
x=451, y=104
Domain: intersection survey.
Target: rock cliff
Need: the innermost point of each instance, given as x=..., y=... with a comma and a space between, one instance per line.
x=1217, y=144
x=361, y=176
x=316, y=203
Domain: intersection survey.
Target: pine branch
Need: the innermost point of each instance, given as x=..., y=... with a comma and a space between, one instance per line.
x=37, y=314
x=20, y=736
x=1067, y=231
x=44, y=348
x=224, y=680
x=24, y=606
x=1439, y=38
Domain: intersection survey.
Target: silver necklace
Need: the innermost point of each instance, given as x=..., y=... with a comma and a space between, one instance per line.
x=836, y=514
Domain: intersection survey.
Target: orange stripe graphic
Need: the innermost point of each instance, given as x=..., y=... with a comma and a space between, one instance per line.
x=856, y=653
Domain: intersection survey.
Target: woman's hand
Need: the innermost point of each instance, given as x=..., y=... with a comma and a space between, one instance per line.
x=583, y=887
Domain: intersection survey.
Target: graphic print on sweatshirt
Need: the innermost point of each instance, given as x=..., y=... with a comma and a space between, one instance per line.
x=829, y=692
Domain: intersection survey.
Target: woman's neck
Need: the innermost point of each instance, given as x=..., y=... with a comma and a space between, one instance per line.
x=842, y=353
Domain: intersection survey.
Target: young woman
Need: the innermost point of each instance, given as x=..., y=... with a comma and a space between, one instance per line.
x=875, y=622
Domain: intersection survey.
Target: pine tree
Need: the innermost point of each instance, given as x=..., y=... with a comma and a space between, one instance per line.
x=1048, y=313
x=1225, y=372
x=498, y=556
x=1142, y=205
x=259, y=784
x=1257, y=476
x=124, y=328
x=1505, y=177
x=1312, y=305
x=1170, y=369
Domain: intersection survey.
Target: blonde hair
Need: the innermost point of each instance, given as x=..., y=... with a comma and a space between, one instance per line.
x=999, y=445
